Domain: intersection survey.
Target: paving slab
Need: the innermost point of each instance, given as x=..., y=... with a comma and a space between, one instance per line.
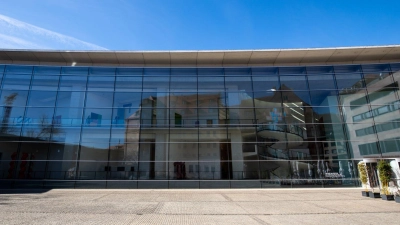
x=192, y=206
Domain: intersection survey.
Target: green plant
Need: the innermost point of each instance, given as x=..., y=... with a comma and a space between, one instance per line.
x=385, y=173
x=362, y=169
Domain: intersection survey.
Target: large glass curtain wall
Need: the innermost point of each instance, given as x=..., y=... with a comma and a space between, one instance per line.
x=195, y=127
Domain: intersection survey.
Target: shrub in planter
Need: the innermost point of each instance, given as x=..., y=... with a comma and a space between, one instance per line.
x=362, y=170
x=385, y=173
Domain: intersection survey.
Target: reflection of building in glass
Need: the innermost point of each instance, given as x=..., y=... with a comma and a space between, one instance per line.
x=219, y=120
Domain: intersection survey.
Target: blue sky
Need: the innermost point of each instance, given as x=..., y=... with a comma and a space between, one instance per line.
x=196, y=24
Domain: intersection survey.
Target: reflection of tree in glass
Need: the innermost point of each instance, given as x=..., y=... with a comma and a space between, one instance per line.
x=8, y=102
x=46, y=128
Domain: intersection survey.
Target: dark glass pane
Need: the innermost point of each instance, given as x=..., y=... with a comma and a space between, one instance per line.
x=320, y=70
x=321, y=82
x=73, y=83
x=74, y=70
x=95, y=135
x=378, y=80
x=132, y=84
x=183, y=84
x=266, y=83
x=375, y=68
x=210, y=71
x=265, y=98
x=19, y=69
x=47, y=70
x=300, y=98
x=237, y=71
x=102, y=71
x=155, y=83
x=99, y=99
x=347, y=69
x=292, y=70
x=70, y=99
x=238, y=84
x=97, y=117
x=349, y=81
x=42, y=83
x=324, y=98
x=156, y=71
x=211, y=84
x=68, y=116
x=129, y=71
x=42, y=98
x=293, y=83
x=264, y=71
x=183, y=72
x=105, y=83
x=239, y=99
x=210, y=100
x=13, y=98
x=155, y=100
x=16, y=82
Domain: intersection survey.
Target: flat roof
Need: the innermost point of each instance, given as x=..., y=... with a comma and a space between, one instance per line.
x=200, y=58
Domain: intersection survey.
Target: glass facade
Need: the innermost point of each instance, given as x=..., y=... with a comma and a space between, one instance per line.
x=260, y=127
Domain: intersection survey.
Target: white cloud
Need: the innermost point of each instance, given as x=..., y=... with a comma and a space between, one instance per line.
x=15, y=34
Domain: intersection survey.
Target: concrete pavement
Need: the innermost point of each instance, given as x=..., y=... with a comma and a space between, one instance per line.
x=216, y=206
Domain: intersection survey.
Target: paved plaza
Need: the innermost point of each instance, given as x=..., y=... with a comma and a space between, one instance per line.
x=221, y=206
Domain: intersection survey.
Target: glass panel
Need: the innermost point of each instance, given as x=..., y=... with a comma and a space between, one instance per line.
x=324, y=98
x=241, y=117
x=210, y=71
x=68, y=116
x=97, y=117
x=210, y=100
x=320, y=70
x=155, y=83
x=42, y=98
x=347, y=68
x=186, y=84
x=321, y=82
x=133, y=84
x=183, y=71
x=238, y=84
x=16, y=82
x=264, y=71
x=95, y=135
x=349, y=82
x=102, y=71
x=70, y=99
x=300, y=98
x=211, y=84
x=266, y=83
x=129, y=71
x=47, y=70
x=239, y=99
x=14, y=98
x=99, y=99
x=45, y=83
x=75, y=83
x=19, y=69
x=100, y=83
x=292, y=70
x=154, y=99
x=156, y=71
x=69, y=70
x=293, y=83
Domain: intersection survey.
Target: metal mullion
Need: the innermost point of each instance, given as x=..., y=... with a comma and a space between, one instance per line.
x=52, y=122
x=22, y=126
x=345, y=131
x=80, y=134
x=111, y=125
x=370, y=109
x=255, y=125
x=140, y=131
